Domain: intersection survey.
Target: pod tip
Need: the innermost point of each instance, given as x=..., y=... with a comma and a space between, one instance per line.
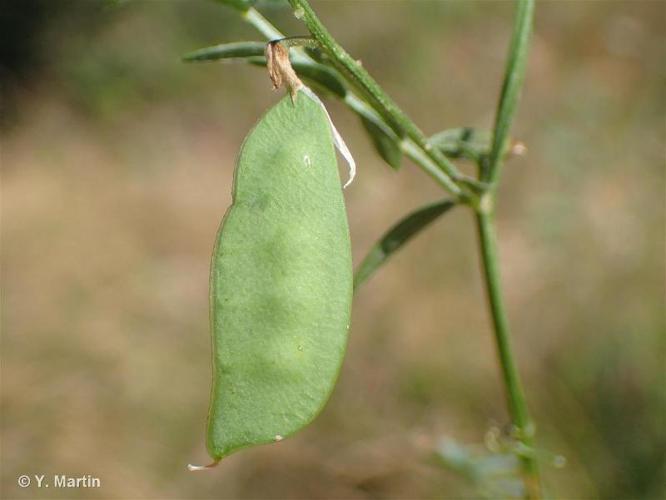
x=192, y=468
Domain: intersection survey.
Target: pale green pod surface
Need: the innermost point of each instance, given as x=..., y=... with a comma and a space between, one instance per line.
x=281, y=282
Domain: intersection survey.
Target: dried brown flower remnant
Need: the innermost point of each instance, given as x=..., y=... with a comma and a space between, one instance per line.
x=279, y=68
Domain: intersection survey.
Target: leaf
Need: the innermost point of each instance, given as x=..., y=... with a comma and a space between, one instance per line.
x=387, y=146
x=397, y=236
x=326, y=77
x=226, y=51
x=315, y=53
x=463, y=142
x=321, y=76
x=281, y=282
x=253, y=52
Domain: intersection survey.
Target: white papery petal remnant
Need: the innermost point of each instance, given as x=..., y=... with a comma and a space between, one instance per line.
x=337, y=138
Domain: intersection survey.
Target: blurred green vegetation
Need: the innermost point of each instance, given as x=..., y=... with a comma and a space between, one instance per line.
x=117, y=162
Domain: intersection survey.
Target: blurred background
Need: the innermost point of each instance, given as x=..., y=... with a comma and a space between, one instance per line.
x=117, y=162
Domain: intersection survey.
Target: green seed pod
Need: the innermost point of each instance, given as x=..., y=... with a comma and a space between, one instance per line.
x=281, y=282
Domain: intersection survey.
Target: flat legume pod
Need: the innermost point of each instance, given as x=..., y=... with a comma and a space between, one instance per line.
x=281, y=282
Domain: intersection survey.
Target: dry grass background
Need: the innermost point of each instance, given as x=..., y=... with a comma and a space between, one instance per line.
x=117, y=162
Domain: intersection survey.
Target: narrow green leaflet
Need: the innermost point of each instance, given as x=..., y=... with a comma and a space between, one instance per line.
x=226, y=51
x=463, y=142
x=281, y=282
x=397, y=236
x=320, y=75
x=385, y=144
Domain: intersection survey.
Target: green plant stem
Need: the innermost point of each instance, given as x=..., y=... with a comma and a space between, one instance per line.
x=415, y=145
x=262, y=25
x=407, y=146
x=485, y=221
x=511, y=87
x=524, y=429
x=380, y=100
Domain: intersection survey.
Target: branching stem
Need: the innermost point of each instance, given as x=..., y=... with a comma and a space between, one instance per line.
x=523, y=427
x=361, y=80
x=414, y=144
x=511, y=87
x=485, y=218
